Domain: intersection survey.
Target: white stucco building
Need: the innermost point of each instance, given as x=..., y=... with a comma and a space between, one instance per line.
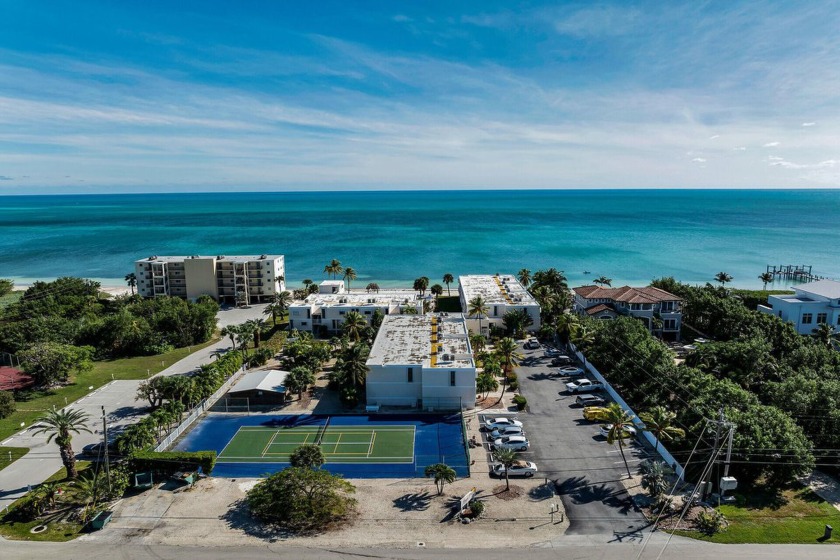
x=422, y=361
x=501, y=293
x=809, y=306
x=643, y=303
x=221, y=277
x=323, y=313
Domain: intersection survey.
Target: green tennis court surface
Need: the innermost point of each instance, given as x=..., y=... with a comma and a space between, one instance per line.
x=340, y=444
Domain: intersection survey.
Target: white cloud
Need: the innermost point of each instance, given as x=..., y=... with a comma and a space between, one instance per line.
x=740, y=149
x=771, y=144
x=699, y=160
x=809, y=124
x=714, y=136
x=401, y=18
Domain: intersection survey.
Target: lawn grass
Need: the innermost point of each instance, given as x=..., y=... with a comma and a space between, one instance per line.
x=16, y=453
x=34, y=403
x=793, y=515
x=57, y=530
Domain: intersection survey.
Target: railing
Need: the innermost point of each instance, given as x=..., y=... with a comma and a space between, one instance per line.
x=199, y=409
x=660, y=448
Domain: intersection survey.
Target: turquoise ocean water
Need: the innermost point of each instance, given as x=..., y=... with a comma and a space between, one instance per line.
x=393, y=237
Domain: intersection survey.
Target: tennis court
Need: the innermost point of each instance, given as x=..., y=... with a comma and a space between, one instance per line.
x=355, y=446
x=340, y=444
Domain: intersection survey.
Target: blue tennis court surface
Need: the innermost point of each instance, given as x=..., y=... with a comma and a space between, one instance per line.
x=436, y=439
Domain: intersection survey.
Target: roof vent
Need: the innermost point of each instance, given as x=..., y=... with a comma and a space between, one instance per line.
x=220, y=257
x=263, y=256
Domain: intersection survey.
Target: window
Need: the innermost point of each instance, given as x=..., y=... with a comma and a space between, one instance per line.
x=822, y=318
x=451, y=378
x=295, y=313
x=411, y=375
x=807, y=318
x=670, y=324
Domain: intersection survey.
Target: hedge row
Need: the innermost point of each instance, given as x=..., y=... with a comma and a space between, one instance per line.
x=168, y=462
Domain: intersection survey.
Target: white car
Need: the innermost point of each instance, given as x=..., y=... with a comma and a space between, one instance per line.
x=506, y=431
x=516, y=443
x=629, y=431
x=569, y=370
x=501, y=422
x=551, y=352
x=532, y=344
x=519, y=468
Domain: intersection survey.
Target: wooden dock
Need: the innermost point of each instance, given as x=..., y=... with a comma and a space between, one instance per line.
x=799, y=272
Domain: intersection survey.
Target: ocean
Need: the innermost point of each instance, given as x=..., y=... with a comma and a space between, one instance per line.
x=392, y=238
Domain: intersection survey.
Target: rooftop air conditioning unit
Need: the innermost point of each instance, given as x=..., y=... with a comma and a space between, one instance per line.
x=263, y=256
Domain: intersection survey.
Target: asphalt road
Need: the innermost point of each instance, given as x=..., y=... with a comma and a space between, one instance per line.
x=567, y=449
x=573, y=549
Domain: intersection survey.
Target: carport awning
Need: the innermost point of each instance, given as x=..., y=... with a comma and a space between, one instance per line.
x=272, y=380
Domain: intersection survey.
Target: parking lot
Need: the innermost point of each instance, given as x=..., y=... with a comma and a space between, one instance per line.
x=570, y=451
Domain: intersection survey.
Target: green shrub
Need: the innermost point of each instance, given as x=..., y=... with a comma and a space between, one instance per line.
x=7, y=403
x=513, y=385
x=710, y=521
x=477, y=508
x=520, y=402
x=168, y=462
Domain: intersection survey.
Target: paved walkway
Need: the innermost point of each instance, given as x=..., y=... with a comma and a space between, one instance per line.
x=824, y=486
x=43, y=459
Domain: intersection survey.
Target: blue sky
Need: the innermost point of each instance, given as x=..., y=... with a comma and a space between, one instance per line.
x=151, y=96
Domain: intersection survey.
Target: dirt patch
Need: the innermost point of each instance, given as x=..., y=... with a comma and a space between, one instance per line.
x=502, y=492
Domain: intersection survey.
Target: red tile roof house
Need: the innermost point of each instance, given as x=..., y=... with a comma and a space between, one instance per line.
x=643, y=303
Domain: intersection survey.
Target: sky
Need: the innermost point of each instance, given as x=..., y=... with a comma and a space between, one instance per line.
x=160, y=96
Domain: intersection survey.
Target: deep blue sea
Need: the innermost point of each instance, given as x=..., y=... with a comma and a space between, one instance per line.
x=393, y=237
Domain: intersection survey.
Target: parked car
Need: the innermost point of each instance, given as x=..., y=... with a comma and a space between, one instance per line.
x=517, y=443
x=532, y=344
x=594, y=413
x=551, y=352
x=629, y=431
x=583, y=386
x=97, y=449
x=501, y=422
x=590, y=400
x=506, y=431
x=561, y=361
x=569, y=370
x=519, y=468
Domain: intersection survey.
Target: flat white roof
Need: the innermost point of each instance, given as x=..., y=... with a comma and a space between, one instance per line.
x=272, y=380
x=360, y=299
x=824, y=288
x=502, y=289
x=230, y=258
x=439, y=340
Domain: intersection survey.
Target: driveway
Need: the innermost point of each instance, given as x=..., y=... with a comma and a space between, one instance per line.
x=567, y=449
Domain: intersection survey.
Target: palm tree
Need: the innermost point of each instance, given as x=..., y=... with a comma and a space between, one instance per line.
x=507, y=457
x=88, y=490
x=309, y=456
x=524, y=276
x=485, y=383
x=506, y=351
x=478, y=342
x=824, y=334
x=477, y=306
x=355, y=364
x=232, y=331
x=372, y=287
x=659, y=421
x=443, y=474
x=723, y=278
x=334, y=268
x=421, y=284
x=566, y=324
x=349, y=275
x=603, y=281
x=279, y=305
x=241, y=298
x=306, y=283
x=255, y=327
x=618, y=420
x=60, y=425
x=448, y=279
x=653, y=477
x=131, y=280
x=354, y=324
x=436, y=290
x=299, y=379
x=766, y=277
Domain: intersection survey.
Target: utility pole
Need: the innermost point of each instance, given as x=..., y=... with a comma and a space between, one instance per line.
x=722, y=424
x=105, y=438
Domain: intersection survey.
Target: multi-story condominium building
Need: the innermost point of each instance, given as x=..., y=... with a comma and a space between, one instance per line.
x=423, y=361
x=808, y=307
x=658, y=309
x=501, y=293
x=323, y=313
x=259, y=278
